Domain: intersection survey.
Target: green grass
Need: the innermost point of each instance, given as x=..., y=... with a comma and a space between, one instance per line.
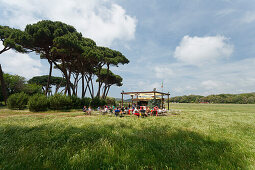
x=200, y=136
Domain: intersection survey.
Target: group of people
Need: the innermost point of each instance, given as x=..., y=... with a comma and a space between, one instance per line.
x=87, y=110
x=140, y=111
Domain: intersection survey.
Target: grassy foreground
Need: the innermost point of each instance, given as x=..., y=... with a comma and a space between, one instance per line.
x=199, y=136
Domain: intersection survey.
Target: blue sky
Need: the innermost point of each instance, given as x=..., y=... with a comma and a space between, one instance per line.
x=194, y=47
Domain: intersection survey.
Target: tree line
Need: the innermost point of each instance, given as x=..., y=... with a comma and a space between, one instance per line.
x=78, y=58
x=245, y=98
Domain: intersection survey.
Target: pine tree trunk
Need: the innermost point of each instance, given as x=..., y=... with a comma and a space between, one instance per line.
x=4, y=92
x=49, y=77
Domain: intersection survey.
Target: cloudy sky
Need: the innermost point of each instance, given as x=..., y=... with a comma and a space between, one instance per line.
x=193, y=47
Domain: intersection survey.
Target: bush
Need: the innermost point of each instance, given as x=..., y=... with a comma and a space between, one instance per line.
x=76, y=102
x=85, y=101
x=32, y=89
x=60, y=102
x=17, y=101
x=38, y=102
x=103, y=102
x=110, y=101
x=96, y=102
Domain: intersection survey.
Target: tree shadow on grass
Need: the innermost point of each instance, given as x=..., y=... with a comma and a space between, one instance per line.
x=114, y=146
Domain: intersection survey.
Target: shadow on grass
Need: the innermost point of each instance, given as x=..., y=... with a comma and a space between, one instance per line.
x=112, y=146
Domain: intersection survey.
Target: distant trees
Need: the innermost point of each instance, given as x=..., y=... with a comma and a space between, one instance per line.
x=11, y=39
x=78, y=58
x=58, y=82
x=17, y=84
x=246, y=98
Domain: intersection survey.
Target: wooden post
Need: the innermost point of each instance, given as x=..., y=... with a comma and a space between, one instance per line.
x=122, y=100
x=162, y=102
x=132, y=100
x=168, y=101
x=137, y=101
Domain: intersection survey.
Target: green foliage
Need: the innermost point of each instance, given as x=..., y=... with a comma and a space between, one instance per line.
x=14, y=83
x=32, y=89
x=76, y=102
x=96, y=102
x=42, y=80
x=60, y=102
x=110, y=101
x=246, y=98
x=17, y=101
x=13, y=39
x=85, y=101
x=38, y=102
x=154, y=102
x=103, y=102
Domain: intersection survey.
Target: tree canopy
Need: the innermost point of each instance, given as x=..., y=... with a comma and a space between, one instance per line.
x=77, y=57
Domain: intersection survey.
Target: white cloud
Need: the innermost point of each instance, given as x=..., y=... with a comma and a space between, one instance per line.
x=163, y=72
x=20, y=64
x=103, y=21
x=203, y=50
x=249, y=17
x=210, y=84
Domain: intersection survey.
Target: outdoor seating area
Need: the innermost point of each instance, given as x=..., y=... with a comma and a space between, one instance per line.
x=141, y=111
x=148, y=99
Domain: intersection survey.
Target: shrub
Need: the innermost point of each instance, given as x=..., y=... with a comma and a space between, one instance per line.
x=38, y=102
x=60, y=102
x=95, y=102
x=32, y=89
x=103, y=102
x=17, y=101
x=110, y=101
x=85, y=101
x=76, y=102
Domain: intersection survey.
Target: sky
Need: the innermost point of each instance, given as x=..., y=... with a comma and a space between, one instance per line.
x=194, y=47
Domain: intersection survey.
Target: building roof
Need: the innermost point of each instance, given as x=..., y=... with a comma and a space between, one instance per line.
x=146, y=94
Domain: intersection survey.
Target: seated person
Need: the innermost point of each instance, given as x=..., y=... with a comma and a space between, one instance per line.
x=155, y=111
x=136, y=112
x=110, y=109
x=126, y=110
x=117, y=112
x=122, y=110
x=89, y=110
x=84, y=109
x=143, y=114
x=164, y=110
x=105, y=110
x=148, y=111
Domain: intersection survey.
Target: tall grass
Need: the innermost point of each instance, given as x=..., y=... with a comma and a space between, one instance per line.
x=203, y=138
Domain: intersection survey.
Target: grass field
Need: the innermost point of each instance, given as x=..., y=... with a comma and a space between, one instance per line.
x=197, y=136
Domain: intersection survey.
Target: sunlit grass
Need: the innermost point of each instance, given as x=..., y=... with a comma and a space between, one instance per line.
x=200, y=136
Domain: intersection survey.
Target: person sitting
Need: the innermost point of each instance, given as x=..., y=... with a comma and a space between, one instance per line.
x=110, y=109
x=89, y=111
x=122, y=112
x=155, y=111
x=85, y=109
x=136, y=112
x=126, y=110
x=164, y=110
x=117, y=112
x=105, y=110
x=148, y=111
x=143, y=114
x=160, y=111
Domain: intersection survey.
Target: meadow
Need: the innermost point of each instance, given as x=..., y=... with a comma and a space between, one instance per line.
x=194, y=136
